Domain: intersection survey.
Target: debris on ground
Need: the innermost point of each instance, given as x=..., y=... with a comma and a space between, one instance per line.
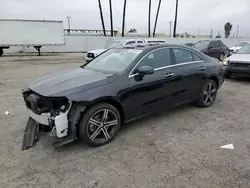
x=229, y=146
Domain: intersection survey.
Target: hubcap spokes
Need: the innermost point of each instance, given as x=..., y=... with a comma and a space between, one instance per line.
x=209, y=94
x=102, y=125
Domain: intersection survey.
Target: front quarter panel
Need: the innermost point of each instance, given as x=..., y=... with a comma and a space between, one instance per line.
x=117, y=90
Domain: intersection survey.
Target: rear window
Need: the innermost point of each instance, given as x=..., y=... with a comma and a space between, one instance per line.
x=182, y=56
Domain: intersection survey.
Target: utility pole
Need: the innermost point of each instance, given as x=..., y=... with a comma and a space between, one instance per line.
x=68, y=17
x=149, y=16
x=211, y=33
x=175, y=20
x=123, y=18
x=237, y=35
x=170, y=29
x=156, y=19
x=103, y=25
x=111, y=18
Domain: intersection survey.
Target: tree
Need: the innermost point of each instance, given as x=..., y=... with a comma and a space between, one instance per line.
x=123, y=17
x=132, y=31
x=156, y=18
x=103, y=25
x=228, y=27
x=175, y=20
x=149, y=17
x=111, y=18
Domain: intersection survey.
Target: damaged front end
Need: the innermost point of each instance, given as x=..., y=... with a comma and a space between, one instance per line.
x=49, y=114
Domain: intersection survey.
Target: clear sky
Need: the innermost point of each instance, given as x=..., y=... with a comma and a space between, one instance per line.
x=193, y=14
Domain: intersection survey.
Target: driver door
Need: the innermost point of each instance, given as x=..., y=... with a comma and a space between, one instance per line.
x=152, y=92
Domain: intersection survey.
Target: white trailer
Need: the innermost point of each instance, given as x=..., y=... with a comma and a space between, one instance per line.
x=36, y=33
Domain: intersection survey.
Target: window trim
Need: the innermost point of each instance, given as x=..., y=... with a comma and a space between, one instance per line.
x=165, y=67
x=134, y=42
x=139, y=42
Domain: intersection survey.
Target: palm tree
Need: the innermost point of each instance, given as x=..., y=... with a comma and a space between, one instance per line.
x=227, y=27
x=111, y=17
x=175, y=20
x=123, y=18
x=149, y=17
x=156, y=19
x=103, y=26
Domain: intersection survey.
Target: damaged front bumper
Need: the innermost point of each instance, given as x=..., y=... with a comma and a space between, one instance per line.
x=54, y=115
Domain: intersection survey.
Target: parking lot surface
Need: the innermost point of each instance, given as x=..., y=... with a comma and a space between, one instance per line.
x=179, y=148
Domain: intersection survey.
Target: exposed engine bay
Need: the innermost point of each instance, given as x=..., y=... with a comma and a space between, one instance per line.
x=50, y=114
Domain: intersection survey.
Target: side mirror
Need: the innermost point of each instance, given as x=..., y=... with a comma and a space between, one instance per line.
x=143, y=70
x=210, y=47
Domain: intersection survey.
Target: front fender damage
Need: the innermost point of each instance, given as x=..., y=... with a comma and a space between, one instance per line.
x=63, y=127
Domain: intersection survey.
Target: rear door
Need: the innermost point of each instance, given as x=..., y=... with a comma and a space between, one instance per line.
x=218, y=49
x=152, y=92
x=190, y=70
x=212, y=49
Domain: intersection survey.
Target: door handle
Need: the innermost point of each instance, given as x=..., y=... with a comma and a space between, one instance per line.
x=169, y=74
x=202, y=68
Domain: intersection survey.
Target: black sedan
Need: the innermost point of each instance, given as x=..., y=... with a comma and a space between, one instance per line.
x=213, y=48
x=92, y=101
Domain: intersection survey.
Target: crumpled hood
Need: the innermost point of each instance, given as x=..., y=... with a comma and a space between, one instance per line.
x=240, y=58
x=97, y=51
x=65, y=83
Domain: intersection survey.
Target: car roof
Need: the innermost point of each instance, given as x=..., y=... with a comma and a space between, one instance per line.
x=125, y=40
x=152, y=46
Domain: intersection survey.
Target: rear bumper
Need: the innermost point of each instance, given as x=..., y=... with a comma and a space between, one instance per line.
x=239, y=72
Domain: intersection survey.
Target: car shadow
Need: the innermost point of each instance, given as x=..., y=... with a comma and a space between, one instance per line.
x=239, y=79
x=154, y=117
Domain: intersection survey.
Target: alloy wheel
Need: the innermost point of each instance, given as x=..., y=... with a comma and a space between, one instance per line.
x=102, y=126
x=209, y=94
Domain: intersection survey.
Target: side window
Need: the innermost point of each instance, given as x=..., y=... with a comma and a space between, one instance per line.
x=182, y=56
x=217, y=44
x=211, y=44
x=139, y=41
x=130, y=42
x=156, y=59
x=196, y=57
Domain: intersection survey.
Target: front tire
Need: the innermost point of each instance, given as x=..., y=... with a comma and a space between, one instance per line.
x=99, y=124
x=208, y=95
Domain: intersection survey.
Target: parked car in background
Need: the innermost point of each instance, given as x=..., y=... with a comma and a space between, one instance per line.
x=122, y=42
x=213, y=48
x=238, y=64
x=189, y=44
x=239, y=46
x=155, y=41
x=120, y=85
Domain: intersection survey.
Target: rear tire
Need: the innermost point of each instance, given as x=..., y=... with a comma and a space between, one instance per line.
x=99, y=124
x=208, y=94
x=1, y=52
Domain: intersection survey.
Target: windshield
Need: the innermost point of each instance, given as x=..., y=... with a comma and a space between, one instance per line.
x=244, y=50
x=114, y=60
x=201, y=44
x=242, y=44
x=115, y=44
